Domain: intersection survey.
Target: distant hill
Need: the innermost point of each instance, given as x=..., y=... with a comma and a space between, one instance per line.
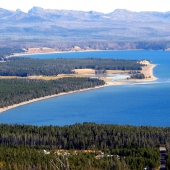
x=81, y=27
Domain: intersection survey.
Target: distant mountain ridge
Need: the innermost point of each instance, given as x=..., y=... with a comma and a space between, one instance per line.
x=51, y=14
x=78, y=26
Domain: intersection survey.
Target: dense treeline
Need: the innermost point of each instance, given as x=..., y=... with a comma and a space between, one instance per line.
x=27, y=66
x=85, y=136
x=136, y=147
x=136, y=75
x=8, y=51
x=14, y=91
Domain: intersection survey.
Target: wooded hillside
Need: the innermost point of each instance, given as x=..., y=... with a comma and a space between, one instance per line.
x=135, y=147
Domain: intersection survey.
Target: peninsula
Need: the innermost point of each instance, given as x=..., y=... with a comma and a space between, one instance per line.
x=24, y=74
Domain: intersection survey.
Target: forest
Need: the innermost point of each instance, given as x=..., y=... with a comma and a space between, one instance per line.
x=8, y=51
x=14, y=91
x=117, y=147
x=24, y=67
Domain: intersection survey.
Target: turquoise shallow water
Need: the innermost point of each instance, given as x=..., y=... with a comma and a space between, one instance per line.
x=141, y=104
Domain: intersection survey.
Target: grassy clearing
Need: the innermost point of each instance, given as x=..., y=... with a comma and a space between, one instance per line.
x=79, y=73
x=116, y=71
x=106, y=79
x=8, y=77
x=56, y=77
x=84, y=71
x=51, y=77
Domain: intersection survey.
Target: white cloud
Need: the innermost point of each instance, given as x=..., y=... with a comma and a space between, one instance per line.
x=87, y=5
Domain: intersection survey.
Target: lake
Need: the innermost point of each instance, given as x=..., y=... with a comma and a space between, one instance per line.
x=146, y=104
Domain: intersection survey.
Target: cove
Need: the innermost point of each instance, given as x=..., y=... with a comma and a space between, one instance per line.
x=144, y=104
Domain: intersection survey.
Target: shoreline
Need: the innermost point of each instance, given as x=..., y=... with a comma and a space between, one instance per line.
x=146, y=70
x=47, y=97
x=53, y=52
x=59, y=52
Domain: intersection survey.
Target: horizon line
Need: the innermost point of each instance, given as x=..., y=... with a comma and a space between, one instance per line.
x=18, y=9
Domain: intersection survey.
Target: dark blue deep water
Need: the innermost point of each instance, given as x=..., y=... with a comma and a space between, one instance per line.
x=139, y=104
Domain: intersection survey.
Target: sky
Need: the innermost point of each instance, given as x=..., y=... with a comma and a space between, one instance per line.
x=105, y=6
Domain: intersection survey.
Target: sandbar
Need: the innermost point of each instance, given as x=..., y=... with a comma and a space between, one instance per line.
x=146, y=70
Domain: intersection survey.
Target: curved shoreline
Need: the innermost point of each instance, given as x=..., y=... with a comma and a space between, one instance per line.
x=76, y=91
x=146, y=70
x=47, y=97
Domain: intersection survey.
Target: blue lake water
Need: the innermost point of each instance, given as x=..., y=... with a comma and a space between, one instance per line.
x=139, y=104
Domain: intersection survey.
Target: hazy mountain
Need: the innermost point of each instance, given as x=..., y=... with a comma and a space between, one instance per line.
x=53, y=15
x=69, y=25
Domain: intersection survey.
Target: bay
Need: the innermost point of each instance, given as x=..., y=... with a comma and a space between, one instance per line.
x=144, y=104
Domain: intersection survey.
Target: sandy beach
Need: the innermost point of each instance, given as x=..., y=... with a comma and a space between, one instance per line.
x=36, y=51
x=146, y=70
x=53, y=51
